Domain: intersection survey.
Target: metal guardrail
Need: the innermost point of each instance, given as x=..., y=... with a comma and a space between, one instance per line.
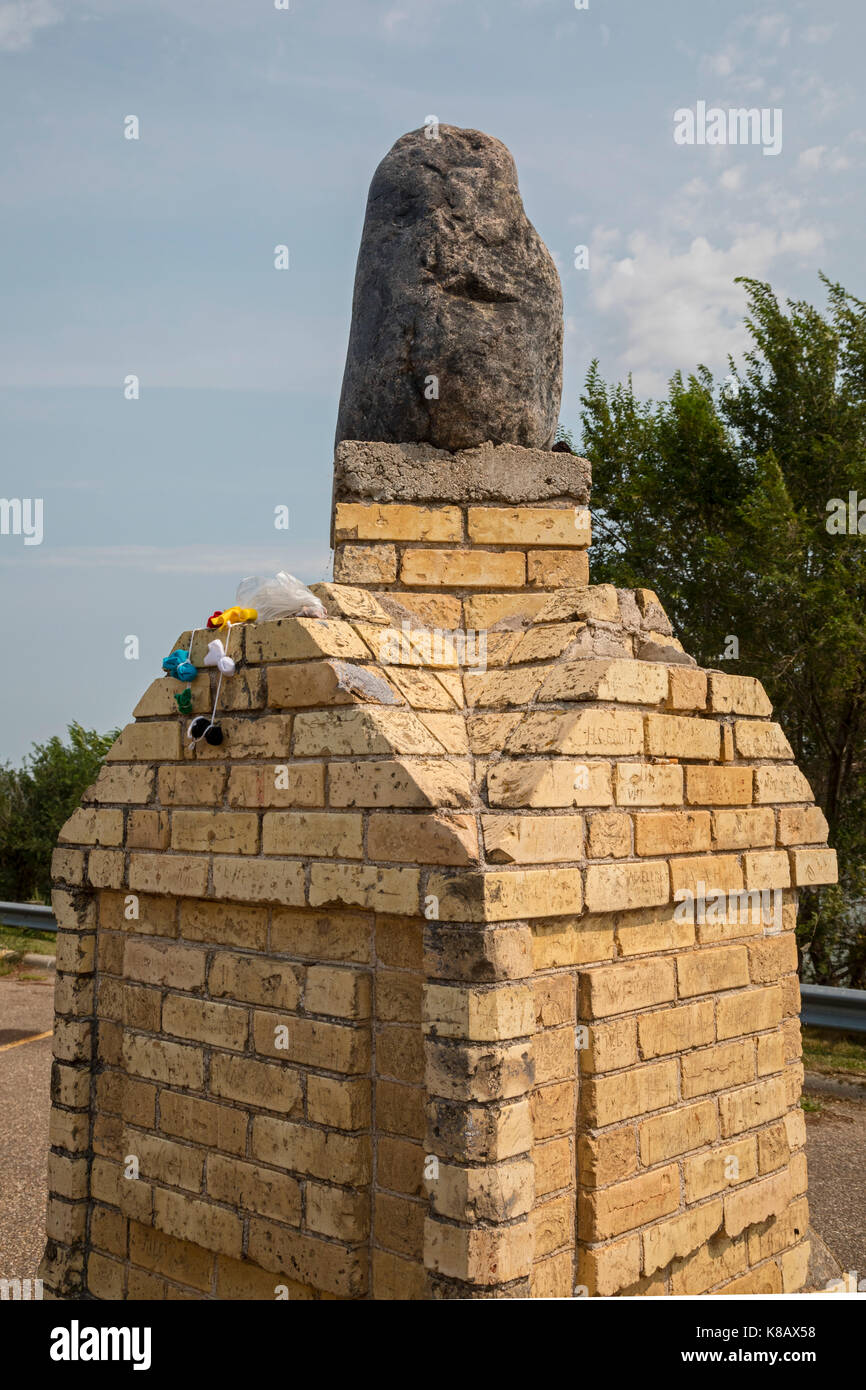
x=33, y=916
x=823, y=1006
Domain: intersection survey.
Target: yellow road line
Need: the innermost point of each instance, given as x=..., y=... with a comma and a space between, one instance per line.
x=21, y=1041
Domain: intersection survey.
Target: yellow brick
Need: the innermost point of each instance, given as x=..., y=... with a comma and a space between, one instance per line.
x=572, y=941
x=259, y=881
x=163, y=963
x=708, y=971
x=551, y=569
x=339, y=1102
x=595, y=732
x=755, y=738
x=666, y=1136
x=202, y=1122
x=773, y=784
x=191, y=786
x=482, y=611
x=499, y=896
x=338, y=991
x=105, y=868
x=254, y=1083
x=361, y=885
x=423, y=839
x=148, y=830
x=749, y=1012
x=157, y=1060
x=613, y=887
x=609, y=835
x=316, y=833
x=423, y=689
x=203, y=1021
x=752, y=1106
x=630, y=682
x=302, y=639
x=247, y=1187
x=718, y=873
x=372, y=521
x=719, y=786
x=91, y=827
x=214, y=1228
x=610, y=1046
x=528, y=839
x=597, y=601
x=772, y=958
x=499, y=1012
x=365, y=564
x=769, y=869
x=332, y=1211
x=811, y=866
x=464, y=569
x=342, y=732
x=645, y=784
x=225, y=924
x=555, y=526
x=606, y=1270
x=123, y=783
x=319, y=1153
x=723, y=1167
x=687, y=689
x=742, y=829
x=484, y=1256
x=737, y=695
x=549, y=783
x=678, y=736
x=802, y=825
x=336, y=1271
x=223, y=832
x=628, y=985
x=148, y=742
x=177, y=1165
x=672, y=832
x=626, y=1205
x=501, y=688
x=401, y=782
x=331, y=936
x=280, y=784
x=678, y=1237
x=756, y=1202
x=676, y=1030
x=265, y=737
x=716, y=1068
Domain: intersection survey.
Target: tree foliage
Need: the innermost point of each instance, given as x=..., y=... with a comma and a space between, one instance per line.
x=35, y=800
x=719, y=498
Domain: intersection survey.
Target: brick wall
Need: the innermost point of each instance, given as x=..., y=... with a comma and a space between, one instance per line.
x=391, y=994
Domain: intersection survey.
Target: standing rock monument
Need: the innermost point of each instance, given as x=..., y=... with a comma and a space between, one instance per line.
x=457, y=317
x=464, y=967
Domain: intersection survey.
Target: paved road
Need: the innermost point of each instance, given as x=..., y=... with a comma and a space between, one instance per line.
x=836, y=1152
x=26, y=1006
x=836, y=1143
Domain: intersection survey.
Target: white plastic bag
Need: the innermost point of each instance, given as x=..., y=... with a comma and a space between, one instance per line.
x=278, y=596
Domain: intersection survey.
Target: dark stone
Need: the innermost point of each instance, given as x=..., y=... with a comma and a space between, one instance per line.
x=453, y=282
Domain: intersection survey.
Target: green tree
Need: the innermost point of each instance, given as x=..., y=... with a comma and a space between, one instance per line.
x=35, y=800
x=719, y=497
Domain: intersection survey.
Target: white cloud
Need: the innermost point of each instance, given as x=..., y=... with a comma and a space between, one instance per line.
x=811, y=158
x=21, y=19
x=731, y=179
x=818, y=33
x=676, y=306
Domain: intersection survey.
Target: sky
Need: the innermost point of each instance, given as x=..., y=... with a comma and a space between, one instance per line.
x=261, y=126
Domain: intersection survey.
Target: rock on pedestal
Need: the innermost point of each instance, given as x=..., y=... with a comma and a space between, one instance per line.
x=456, y=334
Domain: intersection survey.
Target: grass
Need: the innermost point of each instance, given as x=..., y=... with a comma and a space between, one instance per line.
x=826, y=1050
x=21, y=940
